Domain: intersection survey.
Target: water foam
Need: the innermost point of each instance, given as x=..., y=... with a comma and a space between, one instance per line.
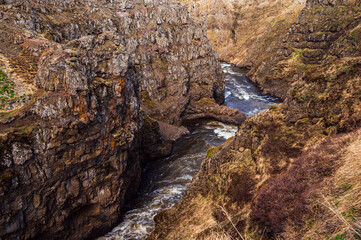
x=222, y=130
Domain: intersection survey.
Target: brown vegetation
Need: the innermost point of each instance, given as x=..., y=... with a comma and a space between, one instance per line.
x=285, y=198
x=295, y=152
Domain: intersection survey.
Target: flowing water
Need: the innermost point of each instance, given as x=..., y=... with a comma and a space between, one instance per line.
x=165, y=181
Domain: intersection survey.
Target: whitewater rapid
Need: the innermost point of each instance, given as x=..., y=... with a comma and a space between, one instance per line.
x=166, y=180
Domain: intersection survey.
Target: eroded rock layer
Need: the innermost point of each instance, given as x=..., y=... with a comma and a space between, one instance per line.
x=94, y=81
x=316, y=37
x=287, y=173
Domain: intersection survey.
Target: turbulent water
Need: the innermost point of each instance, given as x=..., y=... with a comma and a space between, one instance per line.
x=165, y=181
x=242, y=94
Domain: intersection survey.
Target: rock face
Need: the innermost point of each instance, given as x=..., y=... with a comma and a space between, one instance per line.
x=237, y=29
x=170, y=51
x=273, y=39
x=68, y=159
x=101, y=78
x=208, y=108
x=286, y=165
x=291, y=51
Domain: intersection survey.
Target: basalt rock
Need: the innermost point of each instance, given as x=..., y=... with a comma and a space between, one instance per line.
x=68, y=160
x=94, y=80
x=157, y=139
x=171, y=52
x=208, y=108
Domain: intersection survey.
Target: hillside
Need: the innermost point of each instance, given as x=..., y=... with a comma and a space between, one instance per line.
x=287, y=173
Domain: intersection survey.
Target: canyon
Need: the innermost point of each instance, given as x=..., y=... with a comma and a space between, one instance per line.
x=92, y=91
x=286, y=173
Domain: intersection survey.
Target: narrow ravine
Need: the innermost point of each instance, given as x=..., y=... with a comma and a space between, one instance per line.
x=165, y=181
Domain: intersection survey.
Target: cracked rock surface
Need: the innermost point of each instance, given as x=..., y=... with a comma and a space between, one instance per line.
x=101, y=79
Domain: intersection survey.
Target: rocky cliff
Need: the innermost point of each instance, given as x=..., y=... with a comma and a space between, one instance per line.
x=83, y=86
x=270, y=38
x=237, y=29
x=290, y=51
x=291, y=172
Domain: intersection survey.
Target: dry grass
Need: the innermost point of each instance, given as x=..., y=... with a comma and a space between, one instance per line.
x=284, y=198
x=336, y=207
x=352, y=227
x=189, y=225
x=291, y=205
x=232, y=231
x=219, y=236
x=230, y=219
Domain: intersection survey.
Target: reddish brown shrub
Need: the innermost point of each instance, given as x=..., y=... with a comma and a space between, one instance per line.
x=241, y=187
x=284, y=199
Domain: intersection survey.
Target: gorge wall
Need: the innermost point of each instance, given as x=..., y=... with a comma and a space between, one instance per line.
x=288, y=170
x=87, y=89
x=248, y=33
x=237, y=29
x=269, y=38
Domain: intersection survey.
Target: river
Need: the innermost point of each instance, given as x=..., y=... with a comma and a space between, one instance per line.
x=165, y=181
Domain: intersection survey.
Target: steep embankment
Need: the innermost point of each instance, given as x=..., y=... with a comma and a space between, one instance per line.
x=237, y=29
x=270, y=37
x=291, y=52
x=83, y=84
x=288, y=170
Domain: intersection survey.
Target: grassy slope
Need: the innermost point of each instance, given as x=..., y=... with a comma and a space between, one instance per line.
x=271, y=178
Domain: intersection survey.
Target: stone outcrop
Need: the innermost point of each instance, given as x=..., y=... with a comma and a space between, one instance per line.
x=170, y=51
x=209, y=109
x=95, y=82
x=68, y=159
x=157, y=139
x=277, y=176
